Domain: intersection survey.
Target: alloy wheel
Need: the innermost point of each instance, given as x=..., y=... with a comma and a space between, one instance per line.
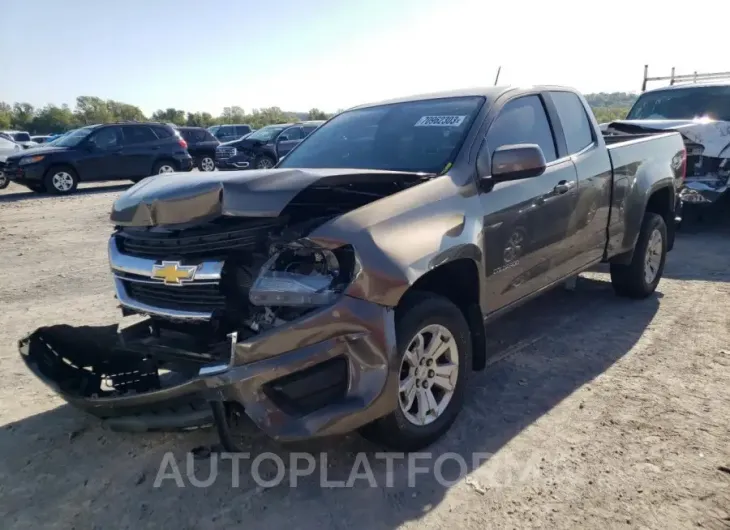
x=428, y=374
x=62, y=181
x=653, y=256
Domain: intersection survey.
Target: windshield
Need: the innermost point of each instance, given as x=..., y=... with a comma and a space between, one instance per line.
x=71, y=138
x=266, y=134
x=419, y=136
x=683, y=104
x=214, y=129
x=21, y=137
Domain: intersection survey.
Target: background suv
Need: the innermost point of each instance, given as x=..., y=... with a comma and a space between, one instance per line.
x=227, y=133
x=114, y=151
x=262, y=149
x=201, y=146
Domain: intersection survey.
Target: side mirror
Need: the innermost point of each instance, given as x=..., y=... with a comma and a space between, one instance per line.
x=516, y=162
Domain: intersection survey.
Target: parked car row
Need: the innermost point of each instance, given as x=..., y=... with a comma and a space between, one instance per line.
x=134, y=150
x=262, y=149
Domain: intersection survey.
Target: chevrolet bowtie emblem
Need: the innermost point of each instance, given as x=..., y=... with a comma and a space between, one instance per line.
x=172, y=273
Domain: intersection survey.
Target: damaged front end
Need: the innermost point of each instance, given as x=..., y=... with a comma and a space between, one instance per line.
x=707, y=144
x=708, y=177
x=233, y=308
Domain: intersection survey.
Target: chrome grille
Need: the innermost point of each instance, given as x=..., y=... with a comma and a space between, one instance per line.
x=190, y=297
x=225, y=152
x=211, y=240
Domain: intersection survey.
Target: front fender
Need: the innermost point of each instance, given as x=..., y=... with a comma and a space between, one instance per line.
x=400, y=238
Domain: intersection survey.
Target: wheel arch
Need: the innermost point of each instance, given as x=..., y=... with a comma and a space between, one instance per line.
x=659, y=199
x=458, y=281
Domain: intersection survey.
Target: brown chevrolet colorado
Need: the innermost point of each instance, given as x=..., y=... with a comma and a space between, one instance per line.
x=348, y=287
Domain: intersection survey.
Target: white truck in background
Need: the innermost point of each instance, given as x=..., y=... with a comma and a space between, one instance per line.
x=698, y=107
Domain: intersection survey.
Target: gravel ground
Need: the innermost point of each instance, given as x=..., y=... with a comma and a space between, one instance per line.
x=599, y=412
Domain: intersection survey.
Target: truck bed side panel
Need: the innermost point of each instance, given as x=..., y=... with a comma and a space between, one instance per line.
x=641, y=167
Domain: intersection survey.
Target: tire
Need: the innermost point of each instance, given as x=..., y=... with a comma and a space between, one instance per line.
x=264, y=162
x=398, y=430
x=164, y=166
x=206, y=163
x=61, y=180
x=639, y=279
x=4, y=181
x=37, y=188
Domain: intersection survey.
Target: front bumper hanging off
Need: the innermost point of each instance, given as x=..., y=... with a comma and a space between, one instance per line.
x=329, y=372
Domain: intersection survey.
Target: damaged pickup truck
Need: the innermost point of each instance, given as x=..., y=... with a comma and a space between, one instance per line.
x=348, y=287
x=701, y=114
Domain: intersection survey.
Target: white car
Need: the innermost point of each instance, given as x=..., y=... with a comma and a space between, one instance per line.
x=7, y=148
x=21, y=137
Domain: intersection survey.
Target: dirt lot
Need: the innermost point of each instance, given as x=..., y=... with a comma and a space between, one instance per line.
x=600, y=412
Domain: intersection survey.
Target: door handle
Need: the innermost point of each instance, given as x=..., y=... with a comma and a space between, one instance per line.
x=564, y=186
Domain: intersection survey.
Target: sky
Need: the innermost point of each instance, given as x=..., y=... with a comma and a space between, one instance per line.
x=334, y=54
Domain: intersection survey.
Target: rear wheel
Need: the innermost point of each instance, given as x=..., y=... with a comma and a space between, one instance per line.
x=640, y=278
x=434, y=349
x=206, y=163
x=61, y=180
x=164, y=166
x=4, y=181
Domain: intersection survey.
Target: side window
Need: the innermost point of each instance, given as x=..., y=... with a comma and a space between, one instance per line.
x=138, y=135
x=523, y=121
x=107, y=138
x=308, y=129
x=573, y=118
x=226, y=131
x=293, y=133
x=162, y=132
x=242, y=130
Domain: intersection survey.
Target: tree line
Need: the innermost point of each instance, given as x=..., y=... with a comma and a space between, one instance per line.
x=90, y=110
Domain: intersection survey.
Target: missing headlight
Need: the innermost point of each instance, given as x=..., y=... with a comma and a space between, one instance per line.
x=300, y=275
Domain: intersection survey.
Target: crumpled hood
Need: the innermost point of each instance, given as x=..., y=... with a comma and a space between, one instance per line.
x=178, y=198
x=713, y=135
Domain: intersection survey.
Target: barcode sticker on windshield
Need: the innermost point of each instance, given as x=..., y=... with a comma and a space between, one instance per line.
x=440, y=121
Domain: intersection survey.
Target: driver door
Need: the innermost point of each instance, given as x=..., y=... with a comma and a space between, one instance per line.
x=102, y=158
x=526, y=221
x=288, y=140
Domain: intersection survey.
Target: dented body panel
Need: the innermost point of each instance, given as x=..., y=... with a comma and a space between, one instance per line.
x=188, y=251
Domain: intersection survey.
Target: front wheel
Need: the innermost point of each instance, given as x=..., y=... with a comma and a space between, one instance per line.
x=61, y=181
x=434, y=359
x=640, y=278
x=4, y=181
x=206, y=163
x=264, y=162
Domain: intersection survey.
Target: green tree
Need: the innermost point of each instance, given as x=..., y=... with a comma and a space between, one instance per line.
x=199, y=119
x=606, y=114
x=233, y=114
x=53, y=119
x=6, y=115
x=23, y=114
x=170, y=115
x=316, y=114
x=91, y=110
x=125, y=112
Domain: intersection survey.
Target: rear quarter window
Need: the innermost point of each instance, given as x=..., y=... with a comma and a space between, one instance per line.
x=162, y=132
x=574, y=120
